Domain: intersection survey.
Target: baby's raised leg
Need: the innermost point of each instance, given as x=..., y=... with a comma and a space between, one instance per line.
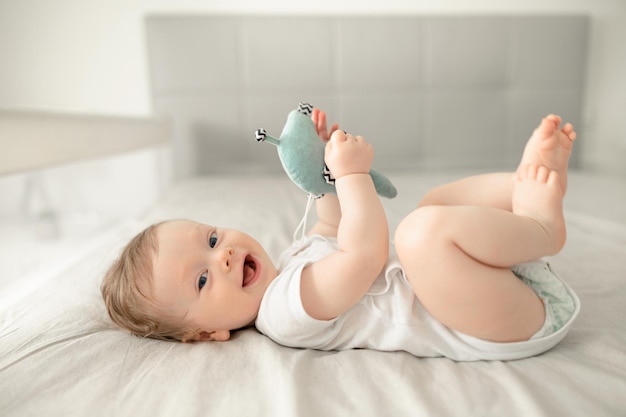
x=537, y=196
x=490, y=190
x=458, y=258
x=549, y=146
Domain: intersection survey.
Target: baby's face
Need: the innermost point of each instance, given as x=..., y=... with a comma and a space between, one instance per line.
x=214, y=278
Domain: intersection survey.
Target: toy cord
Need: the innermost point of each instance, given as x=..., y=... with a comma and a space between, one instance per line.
x=302, y=225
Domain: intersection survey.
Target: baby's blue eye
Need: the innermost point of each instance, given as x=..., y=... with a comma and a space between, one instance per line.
x=213, y=239
x=202, y=281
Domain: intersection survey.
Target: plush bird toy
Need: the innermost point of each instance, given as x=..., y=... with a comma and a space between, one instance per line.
x=301, y=153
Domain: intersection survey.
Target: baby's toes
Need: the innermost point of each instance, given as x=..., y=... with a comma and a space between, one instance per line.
x=568, y=129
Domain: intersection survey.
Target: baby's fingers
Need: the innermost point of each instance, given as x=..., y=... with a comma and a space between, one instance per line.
x=319, y=119
x=321, y=125
x=333, y=128
x=338, y=136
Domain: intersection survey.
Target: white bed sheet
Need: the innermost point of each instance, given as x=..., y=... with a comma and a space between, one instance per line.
x=59, y=354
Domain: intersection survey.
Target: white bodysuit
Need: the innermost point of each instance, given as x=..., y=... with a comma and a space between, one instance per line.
x=391, y=318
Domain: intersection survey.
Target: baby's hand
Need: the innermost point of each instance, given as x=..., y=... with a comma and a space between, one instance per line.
x=319, y=119
x=346, y=154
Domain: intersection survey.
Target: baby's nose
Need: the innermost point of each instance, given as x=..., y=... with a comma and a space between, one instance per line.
x=227, y=255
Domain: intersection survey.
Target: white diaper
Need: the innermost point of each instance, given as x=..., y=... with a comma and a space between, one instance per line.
x=559, y=300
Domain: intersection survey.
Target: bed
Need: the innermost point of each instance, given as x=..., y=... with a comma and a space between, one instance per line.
x=61, y=355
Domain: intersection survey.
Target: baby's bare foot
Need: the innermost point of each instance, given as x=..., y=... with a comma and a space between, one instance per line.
x=550, y=147
x=537, y=195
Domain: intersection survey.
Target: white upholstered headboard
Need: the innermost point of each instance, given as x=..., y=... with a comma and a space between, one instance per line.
x=427, y=91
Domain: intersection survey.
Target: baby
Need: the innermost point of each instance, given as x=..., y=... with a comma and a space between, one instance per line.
x=460, y=284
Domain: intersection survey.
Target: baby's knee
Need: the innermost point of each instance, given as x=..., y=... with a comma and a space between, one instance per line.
x=419, y=230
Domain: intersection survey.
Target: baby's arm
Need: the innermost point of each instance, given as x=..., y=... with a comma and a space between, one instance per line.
x=334, y=284
x=328, y=216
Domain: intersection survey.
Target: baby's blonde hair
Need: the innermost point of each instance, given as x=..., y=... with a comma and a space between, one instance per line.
x=126, y=291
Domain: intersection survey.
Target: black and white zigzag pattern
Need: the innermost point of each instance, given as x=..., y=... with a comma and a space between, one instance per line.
x=260, y=135
x=328, y=176
x=305, y=108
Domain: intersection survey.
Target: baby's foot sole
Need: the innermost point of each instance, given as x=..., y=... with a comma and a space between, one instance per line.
x=550, y=147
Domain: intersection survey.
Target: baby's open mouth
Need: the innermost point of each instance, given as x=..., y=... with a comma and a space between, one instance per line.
x=249, y=270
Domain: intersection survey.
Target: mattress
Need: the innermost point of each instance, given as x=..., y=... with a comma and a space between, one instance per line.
x=60, y=354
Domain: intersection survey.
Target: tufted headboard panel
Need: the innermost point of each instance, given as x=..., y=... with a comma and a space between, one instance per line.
x=429, y=92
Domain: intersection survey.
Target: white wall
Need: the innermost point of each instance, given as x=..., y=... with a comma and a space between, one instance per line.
x=89, y=56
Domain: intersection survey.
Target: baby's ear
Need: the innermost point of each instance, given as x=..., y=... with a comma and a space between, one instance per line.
x=202, y=336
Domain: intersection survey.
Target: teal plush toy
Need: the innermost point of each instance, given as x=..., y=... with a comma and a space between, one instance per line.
x=301, y=153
